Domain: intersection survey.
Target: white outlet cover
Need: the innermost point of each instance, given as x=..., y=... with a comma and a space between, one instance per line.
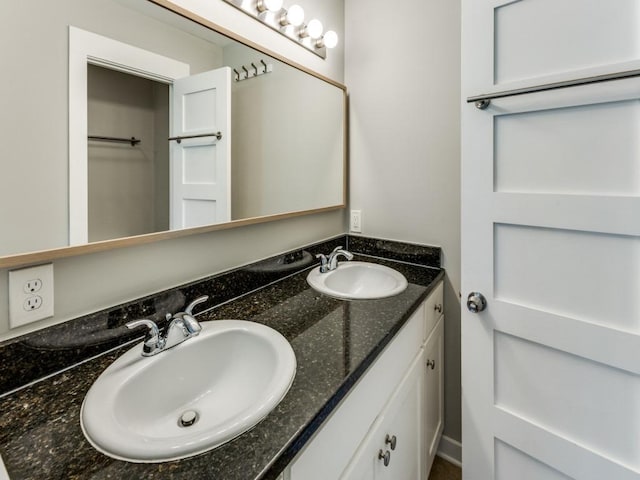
x=18, y=295
x=355, y=221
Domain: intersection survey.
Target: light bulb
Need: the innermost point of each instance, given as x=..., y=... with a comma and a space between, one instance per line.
x=314, y=29
x=330, y=39
x=271, y=5
x=295, y=15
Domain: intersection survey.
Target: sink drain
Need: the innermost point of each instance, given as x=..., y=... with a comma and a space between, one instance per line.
x=188, y=418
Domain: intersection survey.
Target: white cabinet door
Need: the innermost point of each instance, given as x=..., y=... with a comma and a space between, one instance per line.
x=433, y=406
x=399, y=425
x=551, y=238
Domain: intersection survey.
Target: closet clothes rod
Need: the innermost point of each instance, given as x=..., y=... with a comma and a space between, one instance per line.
x=483, y=101
x=218, y=136
x=133, y=140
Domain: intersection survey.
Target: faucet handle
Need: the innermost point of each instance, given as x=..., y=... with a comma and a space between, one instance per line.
x=191, y=325
x=324, y=262
x=153, y=328
x=197, y=301
x=152, y=340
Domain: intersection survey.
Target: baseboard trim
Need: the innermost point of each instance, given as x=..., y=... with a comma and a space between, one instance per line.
x=450, y=450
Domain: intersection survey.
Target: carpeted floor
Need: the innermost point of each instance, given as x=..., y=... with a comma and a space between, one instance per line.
x=443, y=470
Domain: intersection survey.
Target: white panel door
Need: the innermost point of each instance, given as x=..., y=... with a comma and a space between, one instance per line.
x=201, y=166
x=551, y=238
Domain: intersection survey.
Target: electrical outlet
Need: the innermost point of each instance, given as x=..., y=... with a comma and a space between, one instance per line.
x=355, y=223
x=32, y=302
x=33, y=285
x=25, y=306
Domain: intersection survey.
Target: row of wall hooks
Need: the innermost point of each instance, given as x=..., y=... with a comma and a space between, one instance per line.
x=253, y=70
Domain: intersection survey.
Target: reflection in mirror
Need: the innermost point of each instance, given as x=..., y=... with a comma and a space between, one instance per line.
x=282, y=149
x=128, y=184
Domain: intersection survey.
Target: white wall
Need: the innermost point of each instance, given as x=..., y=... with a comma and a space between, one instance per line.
x=403, y=72
x=88, y=283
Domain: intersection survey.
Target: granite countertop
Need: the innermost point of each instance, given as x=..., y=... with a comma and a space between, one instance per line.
x=334, y=342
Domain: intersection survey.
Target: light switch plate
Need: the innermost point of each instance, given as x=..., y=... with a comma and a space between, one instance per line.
x=30, y=294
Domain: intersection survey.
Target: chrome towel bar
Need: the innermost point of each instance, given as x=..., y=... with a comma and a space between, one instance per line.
x=483, y=101
x=133, y=140
x=218, y=136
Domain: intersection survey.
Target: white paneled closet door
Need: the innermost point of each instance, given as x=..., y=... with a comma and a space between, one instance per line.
x=551, y=239
x=200, y=178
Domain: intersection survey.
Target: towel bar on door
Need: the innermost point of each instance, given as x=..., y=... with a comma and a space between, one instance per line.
x=483, y=101
x=218, y=136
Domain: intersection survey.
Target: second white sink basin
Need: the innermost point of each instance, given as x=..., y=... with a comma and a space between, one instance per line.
x=358, y=281
x=190, y=398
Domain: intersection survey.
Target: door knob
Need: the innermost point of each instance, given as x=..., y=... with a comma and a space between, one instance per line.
x=476, y=302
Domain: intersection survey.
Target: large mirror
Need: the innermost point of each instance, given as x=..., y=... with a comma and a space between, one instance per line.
x=121, y=119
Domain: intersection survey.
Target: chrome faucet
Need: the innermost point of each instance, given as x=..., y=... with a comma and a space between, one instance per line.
x=182, y=326
x=331, y=263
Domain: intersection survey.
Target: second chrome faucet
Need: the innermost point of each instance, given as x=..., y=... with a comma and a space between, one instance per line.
x=331, y=262
x=182, y=326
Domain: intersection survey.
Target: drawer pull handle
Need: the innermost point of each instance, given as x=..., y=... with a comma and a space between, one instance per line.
x=438, y=308
x=385, y=457
x=431, y=364
x=392, y=441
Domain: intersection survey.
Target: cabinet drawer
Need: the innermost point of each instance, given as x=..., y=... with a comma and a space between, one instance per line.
x=434, y=308
x=329, y=451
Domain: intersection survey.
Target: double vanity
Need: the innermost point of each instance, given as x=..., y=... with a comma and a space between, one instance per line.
x=282, y=381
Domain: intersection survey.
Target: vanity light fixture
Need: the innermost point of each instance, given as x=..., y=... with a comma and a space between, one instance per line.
x=290, y=23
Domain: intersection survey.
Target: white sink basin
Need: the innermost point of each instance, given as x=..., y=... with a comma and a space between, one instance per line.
x=229, y=377
x=358, y=281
